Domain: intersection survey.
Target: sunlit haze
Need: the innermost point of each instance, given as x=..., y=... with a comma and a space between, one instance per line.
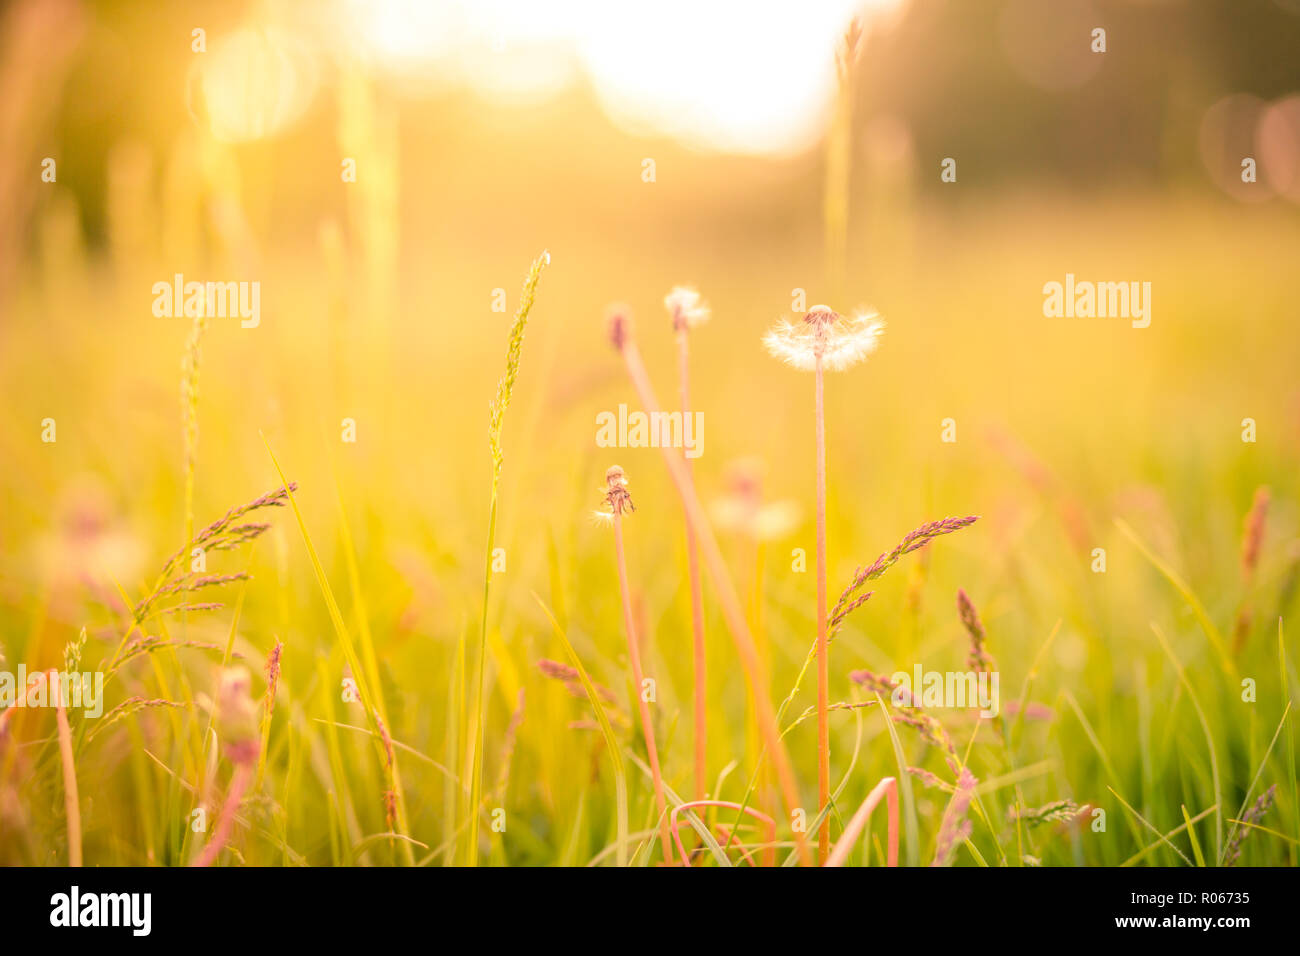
x=730, y=75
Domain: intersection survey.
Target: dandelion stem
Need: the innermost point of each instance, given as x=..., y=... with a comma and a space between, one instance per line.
x=697, y=598
x=732, y=611
x=823, y=667
x=647, y=723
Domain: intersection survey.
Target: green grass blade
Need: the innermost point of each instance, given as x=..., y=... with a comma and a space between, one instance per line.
x=606, y=729
x=1191, y=833
x=1182, y=587
x=904, y=785
x=349, y=652
x=1209, y=741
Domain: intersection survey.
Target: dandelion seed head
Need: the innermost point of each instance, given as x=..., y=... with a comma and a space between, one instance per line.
x=821, y=315
x=686, y=307
x=839, y=342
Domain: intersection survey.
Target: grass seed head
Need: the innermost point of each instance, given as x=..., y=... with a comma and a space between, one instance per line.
x=506, y=386
x=1252, y=537
x=979, y=659
x=1250, y=820
x=955, y=828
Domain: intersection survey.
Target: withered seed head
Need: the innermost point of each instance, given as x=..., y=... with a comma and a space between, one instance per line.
x=617, y=496
x=821, y=315
x=619, y=320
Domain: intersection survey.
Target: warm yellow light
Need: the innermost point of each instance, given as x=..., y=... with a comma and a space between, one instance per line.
x=252, y=84
x=728, y=74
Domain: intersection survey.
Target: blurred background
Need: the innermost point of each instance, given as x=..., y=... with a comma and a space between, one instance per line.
x=706, y=143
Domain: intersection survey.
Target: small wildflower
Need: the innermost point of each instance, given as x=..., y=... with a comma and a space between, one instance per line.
x=686, y=308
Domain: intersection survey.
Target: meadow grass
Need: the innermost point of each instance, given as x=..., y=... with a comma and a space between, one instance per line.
x=1122, y=691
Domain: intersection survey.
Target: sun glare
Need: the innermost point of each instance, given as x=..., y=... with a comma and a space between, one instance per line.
x=729, y=75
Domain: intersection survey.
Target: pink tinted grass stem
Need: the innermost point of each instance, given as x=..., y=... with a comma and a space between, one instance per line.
x=697, y=598
x=71, y=801
x=887, y=788
x=732, y=611
x=238, y=785
x=769, y=853
x=823, y=665
x=647, y=723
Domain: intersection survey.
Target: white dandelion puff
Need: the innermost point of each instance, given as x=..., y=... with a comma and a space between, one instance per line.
x=686, y=307
x=840, y=342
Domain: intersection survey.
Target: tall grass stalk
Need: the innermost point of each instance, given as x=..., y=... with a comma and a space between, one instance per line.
x=839, y=155
x=190, y=411
x=496, y=423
